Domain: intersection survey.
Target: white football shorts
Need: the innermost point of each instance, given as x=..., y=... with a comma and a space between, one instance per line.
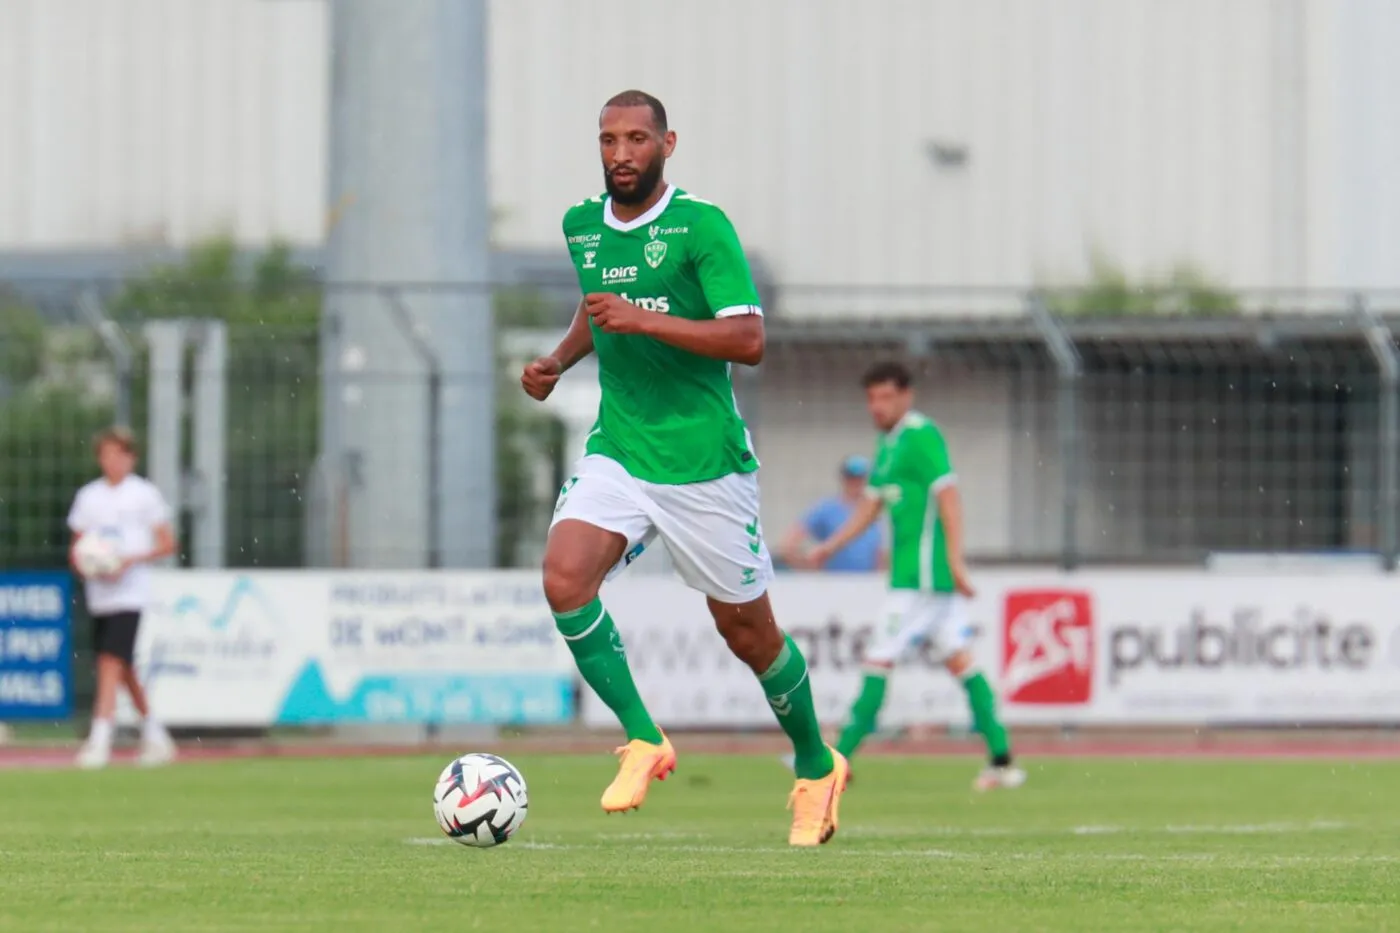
x=915, y=617
x=710, y=529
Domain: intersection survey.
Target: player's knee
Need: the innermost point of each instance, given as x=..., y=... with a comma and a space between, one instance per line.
x=568, y=584
x=752, y=636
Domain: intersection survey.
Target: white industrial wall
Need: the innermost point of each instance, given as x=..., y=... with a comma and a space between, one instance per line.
x=1249, y=135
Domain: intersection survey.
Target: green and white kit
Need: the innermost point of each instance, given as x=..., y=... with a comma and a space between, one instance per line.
x=670, y=455
x=911, y=467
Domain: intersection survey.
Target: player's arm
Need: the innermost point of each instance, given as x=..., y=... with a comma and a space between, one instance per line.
x=165, y=545
x=77, y=524
x=577, y=343
x=932, y=449
x=159, y=516
x=736, y=339
x=541, y=375
x=861, y=518
x=735, y=333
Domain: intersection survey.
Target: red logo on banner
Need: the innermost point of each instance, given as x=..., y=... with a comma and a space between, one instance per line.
x=1048, y=647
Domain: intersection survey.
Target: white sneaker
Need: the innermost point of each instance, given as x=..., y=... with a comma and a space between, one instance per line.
x=1007, y=778
x=93, y=756
x=157, y=751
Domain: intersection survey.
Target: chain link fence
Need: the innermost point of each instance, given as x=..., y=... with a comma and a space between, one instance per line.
x=1079, y=438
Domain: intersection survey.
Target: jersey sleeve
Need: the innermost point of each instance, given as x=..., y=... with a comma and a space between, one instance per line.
x=79, y=520
x=722, y=267
x=157, y=509
x=928, y=453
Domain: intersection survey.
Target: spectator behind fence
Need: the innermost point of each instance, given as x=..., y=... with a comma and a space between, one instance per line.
x=863, y=555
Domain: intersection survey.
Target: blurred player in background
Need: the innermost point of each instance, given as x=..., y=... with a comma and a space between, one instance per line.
x=129, y=511
x=669, y=304
x=863, y=555
x=929, y=583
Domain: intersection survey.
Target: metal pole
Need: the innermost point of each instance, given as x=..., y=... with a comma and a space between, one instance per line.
x=422, y=344
x=1382, y=344
x=90, y=306
x=210, y=462
x=166, y=342
x=1069, y=368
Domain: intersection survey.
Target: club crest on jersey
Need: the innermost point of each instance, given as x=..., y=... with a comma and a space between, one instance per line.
x=654, y=253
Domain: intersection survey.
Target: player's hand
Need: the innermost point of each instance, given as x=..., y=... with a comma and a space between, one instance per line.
x=962, y=580
x=816, y=557
x=540, y=377
x=615, y=314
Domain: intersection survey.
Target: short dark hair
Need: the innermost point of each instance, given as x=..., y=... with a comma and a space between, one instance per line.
x=636, y=98
x=888, y=371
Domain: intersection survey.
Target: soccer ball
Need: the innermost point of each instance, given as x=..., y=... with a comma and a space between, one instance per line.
x=95, y=556
x=480, y=800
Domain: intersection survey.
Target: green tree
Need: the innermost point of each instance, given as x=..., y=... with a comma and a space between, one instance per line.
x=1109, y=293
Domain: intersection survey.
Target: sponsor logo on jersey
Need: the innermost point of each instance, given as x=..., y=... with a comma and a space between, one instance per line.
x=1048, y=647
x=891, y=494
x=654, y=253
x=656, y=230
x=616, y=275
x=661, y=305
x=588, y=256
x=586, y=239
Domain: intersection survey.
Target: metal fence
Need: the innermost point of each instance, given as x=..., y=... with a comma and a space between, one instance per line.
x=1078, y=438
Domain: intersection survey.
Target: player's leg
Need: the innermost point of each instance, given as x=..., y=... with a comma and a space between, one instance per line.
x=599, y=522
x=713, y=533
x=952, y=635
x=157, y=748
x=97, y=750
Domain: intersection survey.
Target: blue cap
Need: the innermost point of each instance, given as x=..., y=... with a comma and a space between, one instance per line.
x=855, y=466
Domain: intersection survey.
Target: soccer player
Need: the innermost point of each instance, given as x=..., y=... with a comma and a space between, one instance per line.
x=929, y=582
x=669, y=304
x=130, y=511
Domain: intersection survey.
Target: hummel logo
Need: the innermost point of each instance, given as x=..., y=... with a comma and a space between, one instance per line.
x=781, y=705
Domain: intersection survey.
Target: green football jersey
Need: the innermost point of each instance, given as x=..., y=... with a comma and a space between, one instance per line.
x=666, y=415
x=911, y=466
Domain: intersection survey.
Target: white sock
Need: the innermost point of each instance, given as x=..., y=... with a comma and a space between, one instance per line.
x=153, y=731
x=101, y=734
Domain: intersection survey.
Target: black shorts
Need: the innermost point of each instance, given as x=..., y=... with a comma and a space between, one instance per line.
x=115, y=634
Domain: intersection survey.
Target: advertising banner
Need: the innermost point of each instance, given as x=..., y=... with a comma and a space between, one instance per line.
x=1095, y=647
x=293, y=647
x=36, y=646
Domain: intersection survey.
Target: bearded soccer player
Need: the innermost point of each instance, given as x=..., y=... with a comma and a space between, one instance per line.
x=929, y=584
x=669, y=305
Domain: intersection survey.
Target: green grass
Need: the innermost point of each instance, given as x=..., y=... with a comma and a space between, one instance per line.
x=350, y=844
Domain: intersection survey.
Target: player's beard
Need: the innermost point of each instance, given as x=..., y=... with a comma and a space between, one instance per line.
x=647, y=181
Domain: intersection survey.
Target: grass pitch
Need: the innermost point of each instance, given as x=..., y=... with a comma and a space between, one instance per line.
x=350, y=844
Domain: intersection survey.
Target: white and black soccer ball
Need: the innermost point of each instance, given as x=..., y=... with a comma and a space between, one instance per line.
x=480, y=800
x=96, y=556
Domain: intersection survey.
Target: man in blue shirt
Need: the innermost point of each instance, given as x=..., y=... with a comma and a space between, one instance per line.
x=863, y=555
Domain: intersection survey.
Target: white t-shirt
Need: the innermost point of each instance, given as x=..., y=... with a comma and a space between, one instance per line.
x=128, y=515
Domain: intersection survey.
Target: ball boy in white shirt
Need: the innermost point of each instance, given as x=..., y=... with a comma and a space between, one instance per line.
x=130, y=512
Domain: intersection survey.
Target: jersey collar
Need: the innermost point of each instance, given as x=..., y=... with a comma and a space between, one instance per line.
x=656, y=210
x=902, y=423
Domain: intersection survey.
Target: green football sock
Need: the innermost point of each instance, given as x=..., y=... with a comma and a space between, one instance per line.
x=789, y=692
x=984, y=716
x=597, y=648
x=865, y=713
